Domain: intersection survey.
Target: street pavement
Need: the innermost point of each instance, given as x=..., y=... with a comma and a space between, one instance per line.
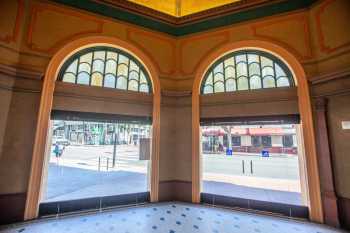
x=87, y=171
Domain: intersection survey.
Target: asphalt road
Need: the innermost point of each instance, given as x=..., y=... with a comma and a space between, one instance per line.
x=79, y=174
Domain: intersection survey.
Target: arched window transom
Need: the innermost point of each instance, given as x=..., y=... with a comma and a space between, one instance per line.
x=246, y=70
x=106, y=67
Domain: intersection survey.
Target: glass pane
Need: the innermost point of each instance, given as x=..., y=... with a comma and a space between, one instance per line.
x=255, y=82
x=122, y=70
x=269, y=82
x=134, y=75
x=218, y=69
x=209, y=79
x=99, y=55
x=86, y=58
x=230, y=72
x=253, y=162
x=254, y=69
x=109, y=81
x=230, y=84
x=219, y=87
x=208, y=89
x=144, y=88
x=266, y=62
x=283, y=82
x=242, y=70
x=241, y=59
x=133, y=66
x=83, y=78
x=69, y=78
x=133, y=85
x=218, y=77
x=279, y=71
x=123, y=59
x=122, y=83
x=143, y=78
x=96, y=80
x=98, y=66
x=84, y=67
x=242, y=83
x=111, y=67
x=72, y=67
x=268, y=71
x=229, y=62
x=253, y=58
x=112, y=55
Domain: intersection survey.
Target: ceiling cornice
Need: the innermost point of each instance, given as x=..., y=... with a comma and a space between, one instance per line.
x=180, y=26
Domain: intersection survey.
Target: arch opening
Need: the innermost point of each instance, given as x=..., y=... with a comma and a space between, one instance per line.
x=142, y=84
x=203, y=108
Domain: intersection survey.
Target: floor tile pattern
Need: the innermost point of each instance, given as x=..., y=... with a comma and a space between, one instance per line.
x=168, y=218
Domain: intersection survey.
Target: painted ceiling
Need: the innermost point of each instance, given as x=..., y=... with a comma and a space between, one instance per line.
x=179, y=8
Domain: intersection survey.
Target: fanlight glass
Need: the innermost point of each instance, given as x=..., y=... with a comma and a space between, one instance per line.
x=106, y=67
x=246, y=70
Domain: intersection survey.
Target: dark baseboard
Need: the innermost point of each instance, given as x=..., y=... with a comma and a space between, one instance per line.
x=95, y=203
x=175, y=190
x=277, y=208
x=344, y=212
x=12, y=207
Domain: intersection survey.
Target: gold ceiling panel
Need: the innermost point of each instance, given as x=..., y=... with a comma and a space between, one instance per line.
x=180, y=8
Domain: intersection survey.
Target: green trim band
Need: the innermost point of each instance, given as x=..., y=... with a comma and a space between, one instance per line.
x=237, y=17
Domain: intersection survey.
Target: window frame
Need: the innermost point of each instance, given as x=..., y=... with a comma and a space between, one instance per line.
x=106, y=49
x=246, y=52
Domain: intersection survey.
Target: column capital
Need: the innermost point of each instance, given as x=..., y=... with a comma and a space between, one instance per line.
x=321, y=103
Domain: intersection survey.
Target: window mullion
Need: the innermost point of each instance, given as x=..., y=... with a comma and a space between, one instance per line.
x=127, y=78
x=261, y=75
x=116, y=73
x=77, y=70
x=247, y=64
x=104, y=69
x=92, y=67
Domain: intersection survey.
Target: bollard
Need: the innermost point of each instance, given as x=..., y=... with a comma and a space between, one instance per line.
x=99, y=163
x=107, y=163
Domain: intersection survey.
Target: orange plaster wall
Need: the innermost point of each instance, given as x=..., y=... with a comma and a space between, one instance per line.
x=38, y=28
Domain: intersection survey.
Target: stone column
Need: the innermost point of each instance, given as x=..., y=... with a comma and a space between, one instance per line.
x=329, y=197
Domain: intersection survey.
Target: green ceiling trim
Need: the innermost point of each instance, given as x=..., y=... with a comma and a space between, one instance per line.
x=238, y=17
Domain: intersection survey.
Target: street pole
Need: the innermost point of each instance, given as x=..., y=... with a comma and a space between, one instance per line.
x=115, y=145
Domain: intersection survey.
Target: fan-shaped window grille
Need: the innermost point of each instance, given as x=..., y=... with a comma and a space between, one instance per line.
x=106, y=67
x=246, y=70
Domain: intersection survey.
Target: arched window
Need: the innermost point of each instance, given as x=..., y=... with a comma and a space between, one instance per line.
x=246, y=70
x=106, y=67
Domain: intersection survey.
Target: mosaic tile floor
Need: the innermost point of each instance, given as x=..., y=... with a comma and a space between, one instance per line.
x=168, y=218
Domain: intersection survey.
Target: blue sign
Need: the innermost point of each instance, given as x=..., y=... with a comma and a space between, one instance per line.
x=229, y=152
x=265, y=153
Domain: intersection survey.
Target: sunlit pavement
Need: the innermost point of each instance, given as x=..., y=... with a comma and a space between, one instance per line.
x=78, y=173
x=87, y=171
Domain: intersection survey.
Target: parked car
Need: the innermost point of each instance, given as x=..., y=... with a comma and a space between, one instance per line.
x=60, y=141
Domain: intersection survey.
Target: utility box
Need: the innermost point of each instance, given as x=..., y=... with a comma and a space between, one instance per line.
x=145, y=149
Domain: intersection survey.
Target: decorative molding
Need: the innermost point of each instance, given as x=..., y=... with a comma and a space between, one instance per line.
x=345, y=73
x=41, y=7
x=214, y=18
x=191, y=39
x=18, y=22
x=168, y=93
x=18, y=72
x=324, y=47
x=300, y=17
x=129, y=33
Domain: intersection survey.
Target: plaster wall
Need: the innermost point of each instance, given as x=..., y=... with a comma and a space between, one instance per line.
x=34, y=30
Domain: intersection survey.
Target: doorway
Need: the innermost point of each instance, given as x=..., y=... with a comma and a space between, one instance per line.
x=95, y=161
x=254, y=165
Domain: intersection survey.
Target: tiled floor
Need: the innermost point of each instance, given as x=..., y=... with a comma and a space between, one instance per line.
x=168, y=218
